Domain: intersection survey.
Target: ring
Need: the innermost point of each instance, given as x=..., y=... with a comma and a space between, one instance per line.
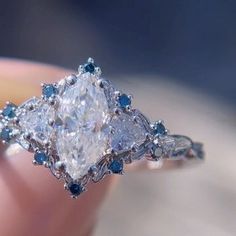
x=82, y=129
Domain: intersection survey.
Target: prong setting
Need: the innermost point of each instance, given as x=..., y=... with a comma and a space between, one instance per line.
x=127, y=135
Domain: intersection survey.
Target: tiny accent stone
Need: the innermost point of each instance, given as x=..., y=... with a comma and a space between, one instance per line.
x=49, y=90
x=35, y=121
x=5, y=134
x=116, y=166
x=124, y=101
x=75, y=189
x=89, y=67
x=9, y=111
x=160, y=129
x=41, y=158
x=157, y=152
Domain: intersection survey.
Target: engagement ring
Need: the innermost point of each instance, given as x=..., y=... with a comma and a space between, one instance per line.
x=82, y=128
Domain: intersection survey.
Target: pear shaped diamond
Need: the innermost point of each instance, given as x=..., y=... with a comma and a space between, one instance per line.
x=34, y=119
x=126, y=132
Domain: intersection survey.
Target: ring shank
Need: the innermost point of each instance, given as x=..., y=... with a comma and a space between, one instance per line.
x=194, y=156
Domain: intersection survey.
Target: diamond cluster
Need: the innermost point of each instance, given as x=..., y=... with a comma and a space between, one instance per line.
x=82, y=128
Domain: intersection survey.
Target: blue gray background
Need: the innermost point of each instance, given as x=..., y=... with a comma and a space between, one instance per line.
x=157, y=49
x=193, y=42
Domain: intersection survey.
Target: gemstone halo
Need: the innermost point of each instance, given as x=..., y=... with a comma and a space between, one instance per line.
x=82, y=128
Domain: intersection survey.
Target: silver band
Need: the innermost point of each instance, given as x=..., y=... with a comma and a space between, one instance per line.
x=83, y=129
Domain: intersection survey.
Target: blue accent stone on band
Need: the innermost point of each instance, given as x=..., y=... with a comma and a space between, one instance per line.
x=5, y=134
x=116, y=166
x=49, y=90
x=124, y=101
x=9, y=111
x=160, y=129
x=89, y=67
x=40, y=158
x=75, y=189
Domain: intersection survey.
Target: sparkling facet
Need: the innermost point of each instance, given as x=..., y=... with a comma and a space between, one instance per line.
x=36, y=121
x=82, y=116
x=126, y=132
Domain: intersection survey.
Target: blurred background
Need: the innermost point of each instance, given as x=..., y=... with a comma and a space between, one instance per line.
x=180, y=56
x=189, y=41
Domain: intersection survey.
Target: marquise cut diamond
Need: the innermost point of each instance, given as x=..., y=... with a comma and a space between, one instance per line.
x=83, y=114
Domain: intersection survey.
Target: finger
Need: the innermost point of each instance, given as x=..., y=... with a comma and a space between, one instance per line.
x=32, y=201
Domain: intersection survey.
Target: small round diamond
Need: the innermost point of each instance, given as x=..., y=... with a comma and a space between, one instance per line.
x=89, y=67
x=157, y=152
x=5, y=134
x=49, y=90
x=116, y=166
x=124, y=101
x=9, y=111
x=75, y=189
x=40, y=158
x=160, y=129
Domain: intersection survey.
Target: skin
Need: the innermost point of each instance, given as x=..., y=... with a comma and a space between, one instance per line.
x=33, y=202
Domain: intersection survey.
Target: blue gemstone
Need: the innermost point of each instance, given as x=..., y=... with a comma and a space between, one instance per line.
x=124, y=101
x=49, y=90
x=9, y=111
x=160, y=129
x=89, y=67
x=40, y=158
x=5, y=134
x=116, y=166
x=75, y=189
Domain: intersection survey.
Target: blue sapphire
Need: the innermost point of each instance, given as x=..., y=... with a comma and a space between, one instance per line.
x=40, y=158
x=160, y=129
x=90, y=67
x=9, y=111
x=124, y=100
x=49, y=90
x=75, y=189
x=5, y=134
x=116, y=166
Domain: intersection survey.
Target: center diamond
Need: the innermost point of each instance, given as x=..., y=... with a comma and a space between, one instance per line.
x=82, y=116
